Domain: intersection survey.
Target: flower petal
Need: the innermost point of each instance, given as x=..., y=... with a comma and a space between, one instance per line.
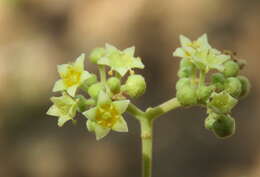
x=121, y=106
x=120, y=125
x=53, y=111
x=179, y=52
x=203, y=41
x=103, y=98
x=103, y=61
x=110, y=48
x=72, y=90
x=90, y=125
x=130, y=51
x=59, y=86
x=101, y=132
x=63, y=69
x=79, y=63
x=137, y=63
x=90, y=114
x=84, y=76
x=184, y=40
x=62, y=120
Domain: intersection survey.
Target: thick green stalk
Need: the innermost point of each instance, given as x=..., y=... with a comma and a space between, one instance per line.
x=147, y=144
x=163, y=108
x=146, y=122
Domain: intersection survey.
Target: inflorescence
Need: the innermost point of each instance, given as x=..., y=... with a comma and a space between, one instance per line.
x=207, y=77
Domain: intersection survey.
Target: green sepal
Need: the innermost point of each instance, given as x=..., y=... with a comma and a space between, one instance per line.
x=210, y=120
x=221, y=102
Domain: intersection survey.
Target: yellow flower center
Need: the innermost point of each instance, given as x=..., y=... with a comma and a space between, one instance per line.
x=195, y=45
x=107, y=115
x=72, y=77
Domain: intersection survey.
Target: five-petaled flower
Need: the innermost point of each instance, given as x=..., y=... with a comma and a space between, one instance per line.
x=201, y=53
x=64, y=107
x=120, y=61
x=106, y=115
x=72, y=76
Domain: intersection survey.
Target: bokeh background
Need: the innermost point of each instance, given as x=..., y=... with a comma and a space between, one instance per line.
x=36, y=35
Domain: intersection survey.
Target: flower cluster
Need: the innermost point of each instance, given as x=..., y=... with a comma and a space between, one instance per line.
x=102, y=100
x=218, y=90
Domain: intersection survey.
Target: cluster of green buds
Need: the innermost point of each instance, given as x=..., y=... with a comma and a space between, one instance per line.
x=102, y=100
x=210, y=78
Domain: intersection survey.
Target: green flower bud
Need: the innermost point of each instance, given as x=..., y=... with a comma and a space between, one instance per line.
x=233, y=86
x=224, y=126
x=221, y=102
x=182, y=82
x=203, y=92
x=91, y=80
x=114, y=84
x=84, y=103
x=245, y=86
x=187, y=95
x=218, y=79
x=135, y=86
x=186, y=68
x=94, y=90
x=96, y=54
x=231, y=68
x=185, y=72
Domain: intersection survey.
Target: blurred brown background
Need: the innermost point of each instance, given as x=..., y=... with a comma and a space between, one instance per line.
x=36, y=35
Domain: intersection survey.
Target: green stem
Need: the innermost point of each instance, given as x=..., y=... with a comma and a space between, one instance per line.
x=202, y=78
x=147, y=144
x=146, y=122
x=135, y=111
x=102, y=73
x=163, y=108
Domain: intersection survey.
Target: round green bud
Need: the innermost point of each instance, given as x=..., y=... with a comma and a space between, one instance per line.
x=182, y=82
x=218, y=79
x=135, y=86
x=224, y=126
x=186, y=68
x=231, y=68
x=233, y=86
x=91, y=80
x=209, y=121
x=114, y=84
x=94, y=90
x=245, y=86
x=96, y=54
x=187, y=95
x=203, y=92
x=185, y=72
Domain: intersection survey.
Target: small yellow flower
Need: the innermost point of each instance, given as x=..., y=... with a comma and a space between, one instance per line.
x=72, y=76
x=64, y=107
x=106, y=116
